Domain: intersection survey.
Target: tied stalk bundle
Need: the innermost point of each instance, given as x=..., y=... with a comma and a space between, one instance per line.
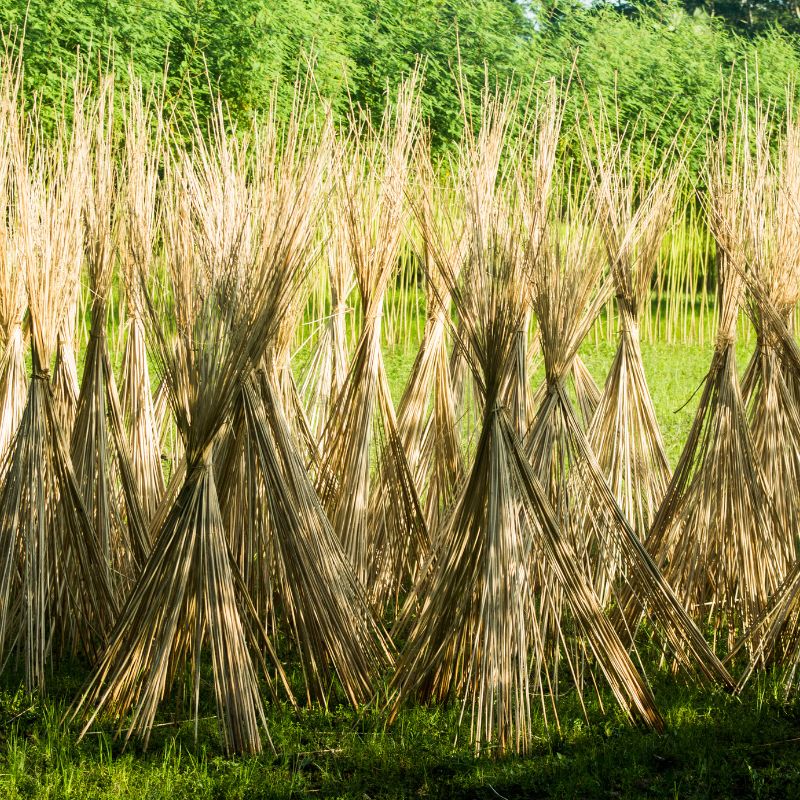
x=13, y=387
x=143, y=132
x=54, y=590
x=636, y=200
x=380, y=522
x=99, y=447
x=473, y=623
x=716, y=536
x=292, y=560
x=190, y=597
x=569, y=286
x=427, y=413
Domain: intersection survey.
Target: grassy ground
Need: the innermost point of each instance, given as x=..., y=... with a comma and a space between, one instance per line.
x=715, y=746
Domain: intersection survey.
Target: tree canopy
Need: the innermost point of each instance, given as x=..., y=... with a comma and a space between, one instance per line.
x=664, y=61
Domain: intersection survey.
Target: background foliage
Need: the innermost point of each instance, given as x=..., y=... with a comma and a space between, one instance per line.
x=665, y=61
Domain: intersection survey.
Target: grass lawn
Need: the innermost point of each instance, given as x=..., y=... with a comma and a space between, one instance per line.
x=715, y=746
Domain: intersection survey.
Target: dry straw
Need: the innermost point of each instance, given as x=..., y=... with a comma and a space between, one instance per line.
x=474, y=625
x=379, y=522
x=12, y=275
x=427, y=413
x=54, y=590
x=326, y=371
x=768, y=266
x=635, y=195
x=99, y=446
x=190, y=597
x=143, y=133
x=66, y=385
x=291, y=557
x=769, y=386
x=569, y=287
x=505, y=525
x=716, y=535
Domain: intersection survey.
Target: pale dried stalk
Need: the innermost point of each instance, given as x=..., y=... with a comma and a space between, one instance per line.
x=143, y=131
x=54, y=592
x=66, y=386
x=381, y=526
x=636, y=200
x=426, y=415
x=716, y=535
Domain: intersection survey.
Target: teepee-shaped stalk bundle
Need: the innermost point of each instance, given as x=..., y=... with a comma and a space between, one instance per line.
x=99, y=446
x=276, y=181
x=774, y=639
x=716, y=535
x=278, y=351
x=771, y=377
x=380, y=522
x=474, y=626
x=769, y=386
x=143, y=132
x=12, y=276
x=427, y=414
x=299, y=575
x=54, y=590
x=575, y=376
x=636, y=201
x=309, y=584
x=569, y=288
x=190, y=596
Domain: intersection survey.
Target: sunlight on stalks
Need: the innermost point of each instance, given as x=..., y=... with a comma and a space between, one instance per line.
x=380, y=524
x=716, y=535
x=635, y=199
x=54, y=588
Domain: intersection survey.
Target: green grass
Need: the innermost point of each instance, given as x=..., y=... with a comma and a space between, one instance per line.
x=675, y=375
x=715, y=746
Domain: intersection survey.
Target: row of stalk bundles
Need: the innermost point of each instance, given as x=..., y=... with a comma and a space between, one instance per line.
x=483, y=539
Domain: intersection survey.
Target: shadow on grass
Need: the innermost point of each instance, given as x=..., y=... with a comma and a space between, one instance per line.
x=716, y=746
